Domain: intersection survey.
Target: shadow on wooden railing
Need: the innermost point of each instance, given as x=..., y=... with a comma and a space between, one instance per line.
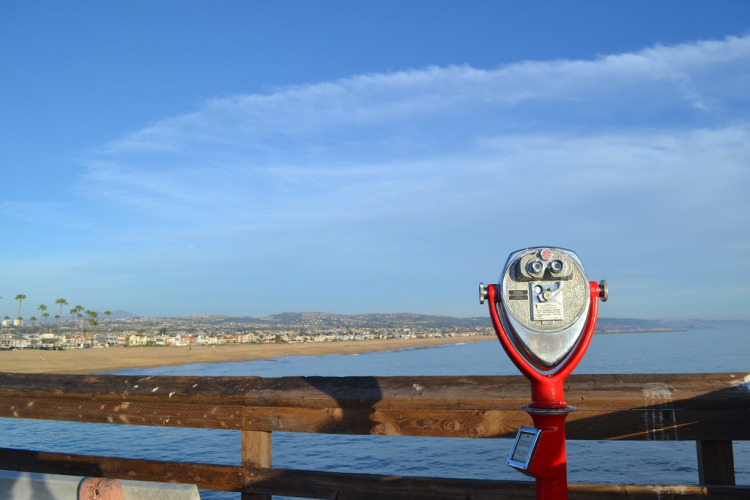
x=711, y=409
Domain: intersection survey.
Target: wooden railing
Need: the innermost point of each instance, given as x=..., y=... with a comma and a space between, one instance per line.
x=710, y=409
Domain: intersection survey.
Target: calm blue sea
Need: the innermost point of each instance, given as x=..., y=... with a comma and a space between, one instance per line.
x=697, y=351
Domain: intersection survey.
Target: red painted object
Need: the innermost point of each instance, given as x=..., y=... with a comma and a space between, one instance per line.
x=548, y=408
x=546, y=389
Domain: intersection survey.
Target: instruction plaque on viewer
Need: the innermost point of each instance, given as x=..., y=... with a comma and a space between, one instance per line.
x=524, y=447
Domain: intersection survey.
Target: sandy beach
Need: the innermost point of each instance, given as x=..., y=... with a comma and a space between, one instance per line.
x=117, y=358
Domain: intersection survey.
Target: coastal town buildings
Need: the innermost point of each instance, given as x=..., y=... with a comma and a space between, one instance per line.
x=218, y=330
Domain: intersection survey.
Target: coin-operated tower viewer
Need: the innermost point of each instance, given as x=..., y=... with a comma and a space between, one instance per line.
x=544, y=312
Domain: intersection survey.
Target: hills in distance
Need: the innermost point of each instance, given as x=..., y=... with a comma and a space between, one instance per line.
x=413, y=320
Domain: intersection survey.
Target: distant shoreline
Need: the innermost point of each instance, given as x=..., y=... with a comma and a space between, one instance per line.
x=88, y=361
x=647, y=330
x=109, y=359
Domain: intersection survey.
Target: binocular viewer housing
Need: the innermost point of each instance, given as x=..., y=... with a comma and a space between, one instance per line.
x=543, y=300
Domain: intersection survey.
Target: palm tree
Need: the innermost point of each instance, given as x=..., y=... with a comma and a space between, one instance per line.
x=61, y=302
x=92, y=321
x=31, y=320
x=42, y=308
x=108, y=314
x=80, y=318
x=76, y=313
x=20, y=298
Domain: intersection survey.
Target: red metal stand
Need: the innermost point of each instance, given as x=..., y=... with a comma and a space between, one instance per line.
x=548, y=408
x=550, y=463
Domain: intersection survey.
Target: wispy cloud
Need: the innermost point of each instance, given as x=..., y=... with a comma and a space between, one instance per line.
x=384, y=105
x=376, y=176
x=362, y=144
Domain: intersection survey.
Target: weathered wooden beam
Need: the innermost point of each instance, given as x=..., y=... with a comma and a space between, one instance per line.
x=216, y=390
x=256, y=453
x=586, y=392
x=715, y=462
x=388, y=422
x=585, y=491
x=126, y=412
x=205, y=476
x=630, y=425
x=460, y=393
x=330, y=485
x=675, y=390
x=706, y=407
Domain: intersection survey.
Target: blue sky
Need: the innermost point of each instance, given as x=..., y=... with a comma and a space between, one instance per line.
x=251, y=158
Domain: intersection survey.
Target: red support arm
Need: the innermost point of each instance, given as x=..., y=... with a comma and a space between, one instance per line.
x=546, y=389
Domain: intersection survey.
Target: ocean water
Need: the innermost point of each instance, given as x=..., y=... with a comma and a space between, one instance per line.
x=697, y=351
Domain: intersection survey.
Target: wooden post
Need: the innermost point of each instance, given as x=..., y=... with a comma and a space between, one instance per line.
x=715, y=463
x=256, y=452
